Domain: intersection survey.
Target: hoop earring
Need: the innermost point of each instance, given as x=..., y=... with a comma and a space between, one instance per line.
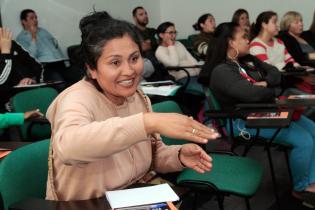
x=235, y=56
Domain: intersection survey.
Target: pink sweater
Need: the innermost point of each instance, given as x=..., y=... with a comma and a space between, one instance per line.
x=99, y=146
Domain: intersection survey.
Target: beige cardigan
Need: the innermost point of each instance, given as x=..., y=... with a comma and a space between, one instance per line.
x=99, y=146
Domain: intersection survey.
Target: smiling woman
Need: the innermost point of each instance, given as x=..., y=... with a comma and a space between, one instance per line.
x=120, y=68
x=104, y=134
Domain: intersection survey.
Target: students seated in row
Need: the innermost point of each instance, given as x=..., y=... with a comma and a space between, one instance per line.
x=309, y=35
x=292, y=28
x=241, y=17
x=249, y=80
x=104, y=133
x=42, y=46
x=272, y=50
x=17, y=67
x=173, y=53
x=206, y=26
x=265, y=45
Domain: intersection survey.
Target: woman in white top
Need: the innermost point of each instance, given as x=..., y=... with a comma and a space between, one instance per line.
x=173, y=53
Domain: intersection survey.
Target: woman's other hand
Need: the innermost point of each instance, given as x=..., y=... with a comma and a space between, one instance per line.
x=27, y=81
x=5, y=40
x=33, y=114
x=170, y=42
x=261, y=83
x=193, y=156
x=178, y=126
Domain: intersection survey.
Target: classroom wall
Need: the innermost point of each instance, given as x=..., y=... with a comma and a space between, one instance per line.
x=61, y=17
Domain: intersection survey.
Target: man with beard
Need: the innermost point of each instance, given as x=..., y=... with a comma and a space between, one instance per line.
x=141, y=19
x=153, y=70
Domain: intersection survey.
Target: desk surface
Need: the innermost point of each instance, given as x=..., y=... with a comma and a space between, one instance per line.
x=92, y=204
x=12, y=145
x=37, y=85
x=37, y=203
x=292, y=103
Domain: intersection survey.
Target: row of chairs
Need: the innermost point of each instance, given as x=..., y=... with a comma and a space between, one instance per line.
x=24, y=172
x=231, y=174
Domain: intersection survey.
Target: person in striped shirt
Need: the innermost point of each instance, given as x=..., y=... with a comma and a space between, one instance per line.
x=266, y=46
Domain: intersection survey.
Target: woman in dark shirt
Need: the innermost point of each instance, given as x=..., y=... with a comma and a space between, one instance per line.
x=16, y=66
x=234, y=77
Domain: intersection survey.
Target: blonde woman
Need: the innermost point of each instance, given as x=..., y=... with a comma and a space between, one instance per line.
x=291, y=29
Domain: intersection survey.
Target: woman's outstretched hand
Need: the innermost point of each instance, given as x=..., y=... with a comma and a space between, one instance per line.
x=193, y=156
x=178, y=126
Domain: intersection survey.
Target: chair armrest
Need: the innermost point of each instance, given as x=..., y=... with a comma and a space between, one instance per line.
x=257, y=106
x=178, y=68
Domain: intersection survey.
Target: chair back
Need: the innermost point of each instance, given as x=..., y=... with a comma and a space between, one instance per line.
x=28, y=100
x=211, y=100
x=24, y=173
x=192, y=38
x=169, y=107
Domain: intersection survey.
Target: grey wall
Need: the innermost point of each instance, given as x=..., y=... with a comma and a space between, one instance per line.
x=184, y=13
x=61, y=17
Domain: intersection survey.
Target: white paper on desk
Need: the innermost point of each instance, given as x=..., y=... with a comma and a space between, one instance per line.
x=167, y=90
x=39, y=84
x=141, y=196
x=30, y=85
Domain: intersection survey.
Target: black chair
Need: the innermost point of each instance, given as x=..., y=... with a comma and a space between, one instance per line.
x=76, y=70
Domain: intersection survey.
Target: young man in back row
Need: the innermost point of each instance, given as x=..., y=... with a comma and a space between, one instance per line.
x=153, y=70
x=42, y=46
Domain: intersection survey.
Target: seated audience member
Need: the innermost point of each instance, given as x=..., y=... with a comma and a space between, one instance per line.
x=291, y=29
x=248, y=80
x=309, y=35
x=241, y=17
x=265, y=45
x=153, y=70
x=8, y=119
x=17, y=67
x=42, y=46
x=141, y=19
x=270, y=49
x=103, y=127
x=173, y=53
x=206, y=26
